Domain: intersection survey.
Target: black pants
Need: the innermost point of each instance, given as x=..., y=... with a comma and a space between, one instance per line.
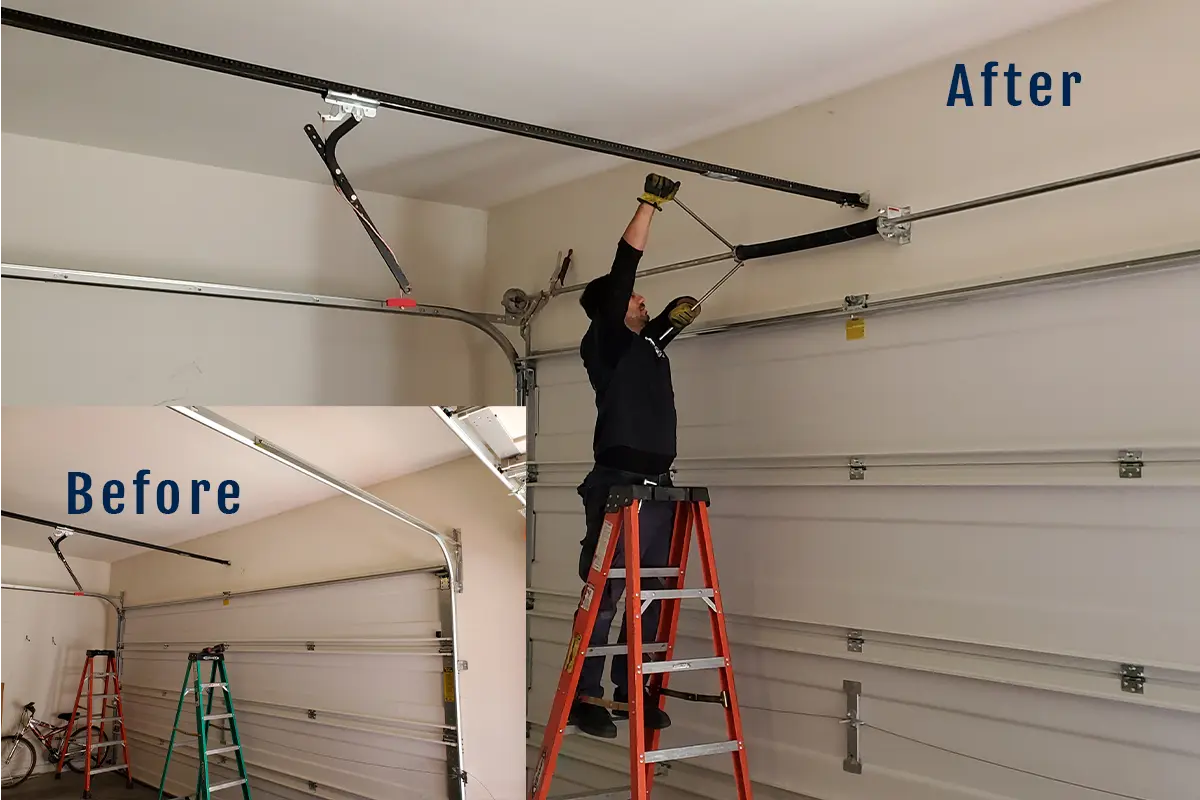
x=655, y=524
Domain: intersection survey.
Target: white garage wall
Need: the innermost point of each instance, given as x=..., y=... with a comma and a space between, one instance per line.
x=898, y=139
x=46, y=635
x=341, y=537
x=75, y=207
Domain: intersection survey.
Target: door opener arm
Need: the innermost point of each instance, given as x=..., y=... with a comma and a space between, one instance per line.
x=352, y=113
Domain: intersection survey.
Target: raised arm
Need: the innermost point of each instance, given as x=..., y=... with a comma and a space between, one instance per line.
x=619, y=286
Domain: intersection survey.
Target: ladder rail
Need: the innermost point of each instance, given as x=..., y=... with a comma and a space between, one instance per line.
x=638, y=787
x=569, y=677
x=233, y=732
x=733, y=714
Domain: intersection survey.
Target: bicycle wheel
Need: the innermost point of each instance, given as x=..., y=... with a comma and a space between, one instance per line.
x=78, y=745
x=18, y=759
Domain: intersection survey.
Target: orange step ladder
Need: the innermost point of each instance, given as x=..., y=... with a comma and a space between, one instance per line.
x=621, y=519
x=97, y=748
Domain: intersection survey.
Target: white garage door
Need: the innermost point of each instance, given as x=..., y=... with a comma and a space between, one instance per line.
x=995, y=564
x=337, y=689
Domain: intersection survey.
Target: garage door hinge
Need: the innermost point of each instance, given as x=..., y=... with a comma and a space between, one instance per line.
x=312, y=713
x=855, y=302
x=450, y=737
x=529, y=601
x=858, y=470
x=1133, y=678
x=310, y=645
x=1129, y=463
x=531, y=473
x=854, y=641
x=312, y=786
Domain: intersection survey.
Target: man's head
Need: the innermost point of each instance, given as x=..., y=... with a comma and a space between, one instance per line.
x=636, y=315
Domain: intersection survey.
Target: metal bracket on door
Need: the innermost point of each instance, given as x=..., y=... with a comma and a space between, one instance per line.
x=1129, y=463
x=858, y=470
x=1133, y=678
x=854, y=641
x=853, y=761
x=891, y=226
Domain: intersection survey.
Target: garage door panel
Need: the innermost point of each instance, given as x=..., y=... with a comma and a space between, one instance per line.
x=1148, y=752
x=1028, y=568
x=1053, y=373
x=1000, y=567
x=337, y=684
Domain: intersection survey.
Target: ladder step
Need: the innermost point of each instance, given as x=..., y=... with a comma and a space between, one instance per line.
x=691, y=751
x=108, y=769
x=207, y=717
x=619, y=793
x=109, y=743
x=229, y=785
x=675, y=594
x=647, y=572
x=621, y=649
x=211, y=685
x=98, y=697
x=229, y=749
x=683, y=664
x=105, y=719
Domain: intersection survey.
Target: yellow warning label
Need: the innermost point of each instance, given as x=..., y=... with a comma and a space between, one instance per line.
x=225, y=601
x=572, y=651
x=856, y=328
x=448, y=686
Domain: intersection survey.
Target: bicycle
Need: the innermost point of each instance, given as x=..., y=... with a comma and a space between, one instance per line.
x=20, y=755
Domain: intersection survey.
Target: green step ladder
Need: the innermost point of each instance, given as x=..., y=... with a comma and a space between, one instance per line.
x=218, y=679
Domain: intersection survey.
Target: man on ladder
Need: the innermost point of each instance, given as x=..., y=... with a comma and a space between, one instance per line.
x=634, y=442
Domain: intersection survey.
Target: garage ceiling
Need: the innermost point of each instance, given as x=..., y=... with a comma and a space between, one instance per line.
x=657, y=75
x=363, y=445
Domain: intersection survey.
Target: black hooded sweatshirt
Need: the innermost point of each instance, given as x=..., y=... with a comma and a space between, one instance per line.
x=635, y=401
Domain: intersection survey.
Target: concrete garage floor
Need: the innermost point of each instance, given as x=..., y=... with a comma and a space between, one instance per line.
x=70, y=787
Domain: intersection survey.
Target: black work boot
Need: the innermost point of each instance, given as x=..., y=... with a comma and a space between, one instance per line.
x=654, y=718
x=593, y=720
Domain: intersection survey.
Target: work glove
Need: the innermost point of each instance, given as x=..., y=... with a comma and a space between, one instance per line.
x=682, y=311
x=677, y=315
x=658, y=190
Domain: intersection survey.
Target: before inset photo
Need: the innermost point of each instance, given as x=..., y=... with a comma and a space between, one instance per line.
x=322, y=600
